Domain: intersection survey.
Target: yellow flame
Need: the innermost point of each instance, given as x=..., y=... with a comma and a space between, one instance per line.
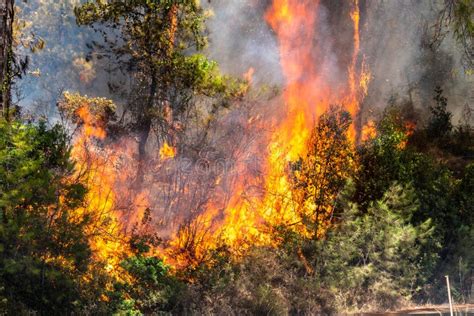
x=109, y=245
x=167, y=151
x=241, y=222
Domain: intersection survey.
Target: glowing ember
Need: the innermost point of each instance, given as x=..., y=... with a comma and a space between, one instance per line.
x=167, y=151
x=369, y=131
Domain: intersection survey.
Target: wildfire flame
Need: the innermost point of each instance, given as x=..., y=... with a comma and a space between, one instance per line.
x=105, y=173
x=307, y=95
x=105, y=238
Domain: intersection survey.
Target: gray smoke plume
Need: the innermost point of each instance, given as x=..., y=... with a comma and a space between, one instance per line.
x=394, y=42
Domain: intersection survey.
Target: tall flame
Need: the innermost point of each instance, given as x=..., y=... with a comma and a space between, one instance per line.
x=307, y=95
x=105, y=174
x=352, y=102
x=96, y=172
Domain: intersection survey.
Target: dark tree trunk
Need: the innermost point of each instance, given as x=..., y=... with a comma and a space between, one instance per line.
x=6, y=54
x=144, y=130
x=146, y=123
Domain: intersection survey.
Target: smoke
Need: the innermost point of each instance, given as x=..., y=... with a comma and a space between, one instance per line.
x=394, y=42
x=241, y=39
x=404, y=68
x=394, y=37
x=63, y=64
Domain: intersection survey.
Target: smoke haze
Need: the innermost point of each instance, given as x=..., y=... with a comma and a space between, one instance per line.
x=394, y=36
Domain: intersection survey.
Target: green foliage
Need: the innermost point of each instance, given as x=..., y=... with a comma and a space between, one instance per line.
x=369, y=261
x=389, y=158
x=439, y=125
x=44, y=251
x=375, y=260
x=156, y=15
x=457, y=15
x=154, y=289
x=444, y=142
x=463, y=22
x=383, y=160
x=383, y=222
x=151, y=287
x=404, y=222
x=458, y=259
x=426, y=161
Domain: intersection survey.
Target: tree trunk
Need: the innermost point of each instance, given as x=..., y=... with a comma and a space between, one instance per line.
x=145, y=125
x=6, y=54
x=144, y=130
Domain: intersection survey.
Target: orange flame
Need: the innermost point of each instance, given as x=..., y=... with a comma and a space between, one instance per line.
x=307, y=95
x=106, y=239
x=409, y=128
x=102, y=170
x=352, y=100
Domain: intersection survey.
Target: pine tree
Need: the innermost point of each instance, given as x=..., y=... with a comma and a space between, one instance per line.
x=376, y=259
x=322, y=173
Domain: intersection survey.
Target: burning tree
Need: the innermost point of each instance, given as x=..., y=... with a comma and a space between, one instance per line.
x=322, y=173
x=152, y=48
